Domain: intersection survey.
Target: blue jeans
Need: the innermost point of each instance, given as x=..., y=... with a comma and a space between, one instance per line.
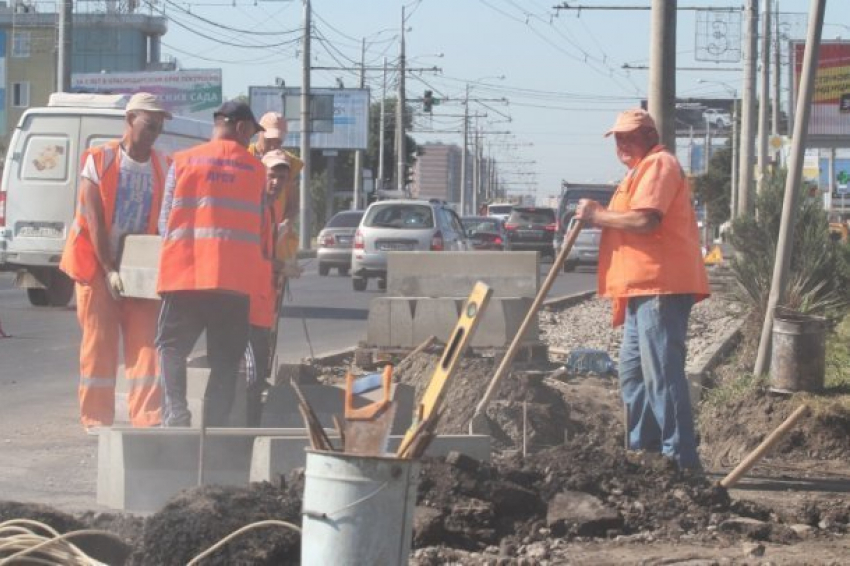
x=652, y=377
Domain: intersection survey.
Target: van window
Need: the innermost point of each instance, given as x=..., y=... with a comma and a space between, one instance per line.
x=45, y=158
x=500, y=209
x=400, y=216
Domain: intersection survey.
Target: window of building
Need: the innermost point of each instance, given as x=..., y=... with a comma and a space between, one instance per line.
x=21, y=43
x=20, y=95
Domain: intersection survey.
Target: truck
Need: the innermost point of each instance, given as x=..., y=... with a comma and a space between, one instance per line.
x=40, y=182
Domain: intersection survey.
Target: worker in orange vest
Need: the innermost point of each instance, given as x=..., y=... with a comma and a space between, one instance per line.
x=651, y=266
x=264, y=314
x=211, y=258
x=121, y=187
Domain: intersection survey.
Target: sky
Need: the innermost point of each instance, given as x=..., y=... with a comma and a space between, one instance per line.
x=550, y=81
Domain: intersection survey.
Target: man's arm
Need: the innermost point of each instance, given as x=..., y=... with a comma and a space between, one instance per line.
x=637, y=221
x=167, y=200
x=96, y=220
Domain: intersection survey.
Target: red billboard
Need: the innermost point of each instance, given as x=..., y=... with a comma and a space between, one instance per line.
x=829, y=120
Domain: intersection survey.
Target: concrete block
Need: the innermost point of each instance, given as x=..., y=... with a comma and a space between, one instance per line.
x=435, y=317
x=281, y=408
x=453, y=274
x=139, y=469
x=378, y=323
x=277, y=456
x=402, y=315
x=501, y=322
x=140, y=265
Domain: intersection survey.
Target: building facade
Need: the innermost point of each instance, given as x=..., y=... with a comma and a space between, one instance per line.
x=101, y=42
x=437, y=173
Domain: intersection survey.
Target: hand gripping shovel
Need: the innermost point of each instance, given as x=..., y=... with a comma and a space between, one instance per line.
x=367, y=429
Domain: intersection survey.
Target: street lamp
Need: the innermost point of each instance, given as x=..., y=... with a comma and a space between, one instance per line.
x=733, y=198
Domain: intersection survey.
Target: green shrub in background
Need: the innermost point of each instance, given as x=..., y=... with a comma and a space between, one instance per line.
x=820, y=267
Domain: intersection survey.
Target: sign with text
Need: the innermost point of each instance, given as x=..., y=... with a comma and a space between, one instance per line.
x=191, y=93
x=829, y=118
x=340, y=116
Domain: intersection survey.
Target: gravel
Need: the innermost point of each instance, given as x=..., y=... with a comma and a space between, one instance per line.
x=588, y=325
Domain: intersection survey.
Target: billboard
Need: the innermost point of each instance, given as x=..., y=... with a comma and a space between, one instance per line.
x=829, y=119
x=696, y=116
x=340, y=115
x=193, y=93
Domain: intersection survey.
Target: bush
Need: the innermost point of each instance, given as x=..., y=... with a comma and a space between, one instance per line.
x=820, y=267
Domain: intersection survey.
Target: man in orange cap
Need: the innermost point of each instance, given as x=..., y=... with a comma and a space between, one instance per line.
x=650, y=264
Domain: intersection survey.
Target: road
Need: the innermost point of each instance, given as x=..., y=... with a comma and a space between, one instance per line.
x=44, y=455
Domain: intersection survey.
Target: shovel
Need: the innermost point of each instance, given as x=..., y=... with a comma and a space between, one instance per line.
x=367, y=429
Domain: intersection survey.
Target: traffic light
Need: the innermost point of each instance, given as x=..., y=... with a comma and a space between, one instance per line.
x=428, y=101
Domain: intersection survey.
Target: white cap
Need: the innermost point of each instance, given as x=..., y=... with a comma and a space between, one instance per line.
x=147, y=102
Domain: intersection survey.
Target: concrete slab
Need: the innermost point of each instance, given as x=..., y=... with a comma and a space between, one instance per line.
x=140, y=265
x=453, y=274
x=140, y=469
x=281, y=409
x=277, y=456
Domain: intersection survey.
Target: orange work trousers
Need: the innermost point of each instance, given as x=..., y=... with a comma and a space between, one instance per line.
x=102, y=318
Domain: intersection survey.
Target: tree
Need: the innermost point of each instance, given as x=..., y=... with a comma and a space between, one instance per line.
x=714, y=188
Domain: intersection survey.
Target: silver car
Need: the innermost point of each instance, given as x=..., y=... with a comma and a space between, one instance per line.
x=336, y=240
x=402, y=225
x=585, y=251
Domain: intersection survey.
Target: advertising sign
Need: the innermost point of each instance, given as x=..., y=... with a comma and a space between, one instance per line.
x=340, y=116
x=829, y=120
x=696, y=116
x=194, y=93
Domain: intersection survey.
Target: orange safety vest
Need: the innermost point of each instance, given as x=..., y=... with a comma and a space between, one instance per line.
x=79, y=259
x=213, y=233
x=667, y=260
x=263, y=301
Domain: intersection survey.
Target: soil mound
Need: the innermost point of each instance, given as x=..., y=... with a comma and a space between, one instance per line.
x=196, y=519
x=732, y=430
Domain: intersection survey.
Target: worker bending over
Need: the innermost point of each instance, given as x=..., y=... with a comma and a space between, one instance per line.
x=210, y=262
x=121, y=187
x=650, y=264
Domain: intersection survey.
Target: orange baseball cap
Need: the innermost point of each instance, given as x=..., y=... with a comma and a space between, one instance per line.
x=274, y=124
x=631, y=120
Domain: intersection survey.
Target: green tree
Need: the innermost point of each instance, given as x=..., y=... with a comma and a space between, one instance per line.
x=714, y=188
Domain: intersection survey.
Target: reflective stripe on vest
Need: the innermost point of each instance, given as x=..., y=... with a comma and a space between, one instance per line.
x=216, y=202
x=212, y=233
x=97, y=382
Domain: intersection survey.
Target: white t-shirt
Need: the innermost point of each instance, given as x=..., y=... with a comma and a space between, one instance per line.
x=133, y=200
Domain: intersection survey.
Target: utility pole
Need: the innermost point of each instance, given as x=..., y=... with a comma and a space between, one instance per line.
x=764, y=97
x=463, y=162
x=476, y=171
x=63, y=59
x=304, y=231
x=379, y=178
x=733, y=174
x=662, y=70
x=746, y=204
x=358, y=154
x=785, y=242
x=777, y=78
x=401, y=146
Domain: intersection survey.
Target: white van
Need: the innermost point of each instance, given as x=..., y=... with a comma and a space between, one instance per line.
x=38, y=194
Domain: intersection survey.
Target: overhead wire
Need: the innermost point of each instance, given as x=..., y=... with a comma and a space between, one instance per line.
x=227, y=27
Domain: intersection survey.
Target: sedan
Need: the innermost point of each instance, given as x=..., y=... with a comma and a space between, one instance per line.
x=336, y=240
x=533, y=229
x=486, y=233
x=585, y=250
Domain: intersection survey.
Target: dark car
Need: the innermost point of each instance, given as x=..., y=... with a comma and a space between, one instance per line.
x=336, y=240
x=486, y=233
x=531, y=228
x=573, y=193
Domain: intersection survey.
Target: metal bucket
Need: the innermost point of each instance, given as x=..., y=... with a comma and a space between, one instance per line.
x=798, y=354
x=357, y=509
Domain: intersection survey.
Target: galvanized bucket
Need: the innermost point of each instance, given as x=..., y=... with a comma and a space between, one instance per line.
x=798, y=354
x=357, y=509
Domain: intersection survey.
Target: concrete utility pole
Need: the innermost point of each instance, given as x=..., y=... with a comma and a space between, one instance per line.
x=785, y=243
x=358, y=154
x=662, y=70
x=746, y=202
x=65, y=43
x=401, y=145
x=777, y=79
x=304, y=231
x=764, y=97
x=463, y=161
x=379, y=177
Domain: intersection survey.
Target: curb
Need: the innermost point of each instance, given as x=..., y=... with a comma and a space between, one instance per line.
x=568, y=300
x=698, y=370
x=330, y=357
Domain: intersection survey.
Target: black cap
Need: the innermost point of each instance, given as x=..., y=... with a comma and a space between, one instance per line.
x=237, y=112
